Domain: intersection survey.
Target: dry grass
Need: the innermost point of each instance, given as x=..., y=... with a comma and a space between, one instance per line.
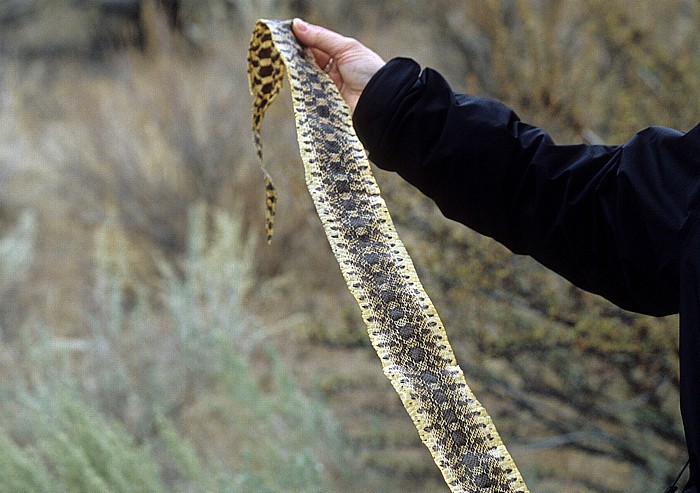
x=103, y=160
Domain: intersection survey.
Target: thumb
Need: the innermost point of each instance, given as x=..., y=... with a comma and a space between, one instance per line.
x=321, y=39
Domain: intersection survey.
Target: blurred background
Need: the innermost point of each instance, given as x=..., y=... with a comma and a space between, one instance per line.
x=152, y=341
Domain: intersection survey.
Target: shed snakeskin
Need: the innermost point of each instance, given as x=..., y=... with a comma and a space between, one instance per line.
x=402, y=323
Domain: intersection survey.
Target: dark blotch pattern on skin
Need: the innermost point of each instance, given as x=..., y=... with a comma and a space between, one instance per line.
x=402, y=323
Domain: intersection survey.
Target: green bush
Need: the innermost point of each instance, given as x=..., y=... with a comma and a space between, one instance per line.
x=98, y=415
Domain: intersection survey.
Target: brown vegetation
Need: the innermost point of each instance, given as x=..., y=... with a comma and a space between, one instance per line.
x=104, y=158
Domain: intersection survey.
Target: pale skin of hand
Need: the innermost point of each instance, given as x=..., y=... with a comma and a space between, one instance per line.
x=353, y=64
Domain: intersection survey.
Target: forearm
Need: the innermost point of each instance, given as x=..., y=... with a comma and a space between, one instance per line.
x=605, y=217
x=473, y=156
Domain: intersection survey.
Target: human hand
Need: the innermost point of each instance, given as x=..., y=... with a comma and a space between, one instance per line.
x=349, y=63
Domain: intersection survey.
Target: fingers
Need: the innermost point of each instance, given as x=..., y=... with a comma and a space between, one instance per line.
x=322, y=41
x=322, y=58
x=353, y=64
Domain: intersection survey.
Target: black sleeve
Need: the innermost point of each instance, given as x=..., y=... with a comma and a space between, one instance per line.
x=611, y=219
x=690, y=349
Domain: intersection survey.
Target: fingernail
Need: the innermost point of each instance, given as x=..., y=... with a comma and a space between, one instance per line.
x=300, y=25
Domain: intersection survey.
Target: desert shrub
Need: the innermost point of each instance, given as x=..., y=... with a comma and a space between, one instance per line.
x=141, y=403
x=154, y=327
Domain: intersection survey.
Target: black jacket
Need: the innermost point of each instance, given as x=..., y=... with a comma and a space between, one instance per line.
x=620, y=221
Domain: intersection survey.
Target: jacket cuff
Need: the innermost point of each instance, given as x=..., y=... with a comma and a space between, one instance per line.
x=379, y=99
